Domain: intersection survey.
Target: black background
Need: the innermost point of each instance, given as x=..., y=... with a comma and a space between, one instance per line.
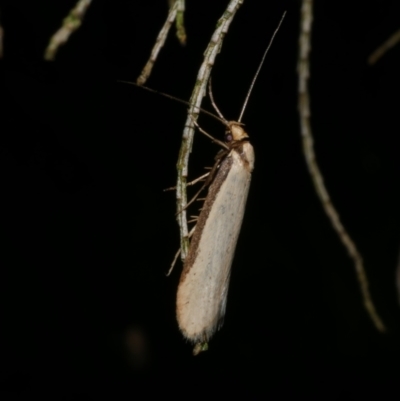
x=88, y=233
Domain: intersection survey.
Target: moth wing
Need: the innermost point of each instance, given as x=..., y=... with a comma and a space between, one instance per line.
x=203, y=289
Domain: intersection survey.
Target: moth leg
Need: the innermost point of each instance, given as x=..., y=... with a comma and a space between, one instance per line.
x=210, y=177
x=173, y=262
x=193, y=219
x=201, y=178
x=220, y=143
x=193, y=199
x=212, y=100
x=178, y=253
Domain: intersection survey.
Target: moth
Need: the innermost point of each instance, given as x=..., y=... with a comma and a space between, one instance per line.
x=203, y=287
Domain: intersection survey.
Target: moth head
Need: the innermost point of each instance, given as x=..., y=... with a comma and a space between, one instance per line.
x=235, y=132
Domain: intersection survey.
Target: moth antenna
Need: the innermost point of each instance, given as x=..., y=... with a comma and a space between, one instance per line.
x=214, y=104
x=222, y=120
x=259, y=68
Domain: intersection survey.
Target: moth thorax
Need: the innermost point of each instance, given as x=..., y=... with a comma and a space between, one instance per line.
x=235, y=132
